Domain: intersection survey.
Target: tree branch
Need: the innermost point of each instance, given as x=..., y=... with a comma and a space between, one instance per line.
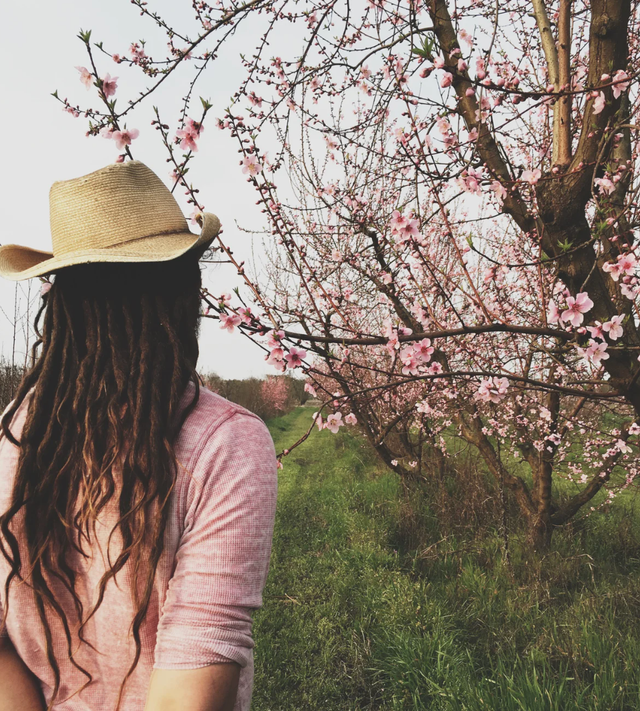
x=548, y=43
x=562, y=107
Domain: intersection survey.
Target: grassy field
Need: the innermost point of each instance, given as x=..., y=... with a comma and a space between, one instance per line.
x=377, y=601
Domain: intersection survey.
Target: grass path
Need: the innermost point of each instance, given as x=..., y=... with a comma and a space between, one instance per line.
x=353, y=621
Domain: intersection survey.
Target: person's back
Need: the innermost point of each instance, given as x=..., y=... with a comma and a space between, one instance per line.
x=136, y=509
x=203, y=605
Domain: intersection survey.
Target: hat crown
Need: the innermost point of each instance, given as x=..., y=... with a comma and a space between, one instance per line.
x=120, y=203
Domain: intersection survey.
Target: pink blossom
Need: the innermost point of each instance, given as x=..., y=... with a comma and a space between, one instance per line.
x=438, y=62
x=274, y=338
x=334, y=422
x=107, y=132
x=623, y=447
x=251, y=165
x=576, y=307
x=596, y=331
x=621, y=83
x=245, y=314
x=195, y=218
x=317, y=418
x=446, y=80
x=188, y=135
x=624, y=264
x=137, y=53
x=308, y=388
x=595, y=353
x=612, y=268
x=109, y=85
x=124, y=138
x=493, y=389
x=410, y=362
x=404, y=226
x=443, y=125
x=531, y=176
x=553, y=313
x=599, y=103
x=605, y=185
x=398, y=221
x=351, y=419
x=391, y=333
x=424, y=408
x=598, y=352
x=630, y=290
x=423, y=350
x=194, y=127
x=469, y=181
x=465, y=37
x=387, y=328
x=85, y=77
x=295, y=356
x=614, y=327
x=276, y=359
x=187, y=140
x=627, y=263
x=229, y=321
x=499, y=190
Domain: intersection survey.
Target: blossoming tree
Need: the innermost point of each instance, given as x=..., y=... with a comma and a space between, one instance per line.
x=451, y=189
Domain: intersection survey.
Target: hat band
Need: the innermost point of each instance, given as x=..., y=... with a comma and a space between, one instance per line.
x=124, y=242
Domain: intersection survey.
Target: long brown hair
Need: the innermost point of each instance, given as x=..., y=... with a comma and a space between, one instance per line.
x=117, y=349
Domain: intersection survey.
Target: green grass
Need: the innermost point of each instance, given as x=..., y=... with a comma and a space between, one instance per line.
x=374, y=602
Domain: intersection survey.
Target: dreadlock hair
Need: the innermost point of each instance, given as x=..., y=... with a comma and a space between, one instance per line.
x=117, y=349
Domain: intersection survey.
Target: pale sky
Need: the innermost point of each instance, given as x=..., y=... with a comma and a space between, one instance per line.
x=43, y=144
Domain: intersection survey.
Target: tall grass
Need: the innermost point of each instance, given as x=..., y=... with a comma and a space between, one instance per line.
x=383, y=598
x=10, y=377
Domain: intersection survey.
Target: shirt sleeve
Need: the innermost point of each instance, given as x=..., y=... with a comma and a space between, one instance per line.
x=223, y=558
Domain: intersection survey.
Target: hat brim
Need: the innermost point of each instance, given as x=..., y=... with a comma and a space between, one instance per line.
x=18, y=262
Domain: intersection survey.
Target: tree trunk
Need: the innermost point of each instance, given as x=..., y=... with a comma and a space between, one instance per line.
x=540, y=532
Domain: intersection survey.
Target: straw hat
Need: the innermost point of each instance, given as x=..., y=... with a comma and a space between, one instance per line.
x=121, y=213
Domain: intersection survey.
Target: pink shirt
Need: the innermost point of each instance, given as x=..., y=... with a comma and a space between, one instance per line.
x=209, y=580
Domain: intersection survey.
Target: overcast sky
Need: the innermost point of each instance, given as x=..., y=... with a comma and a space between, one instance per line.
x=43, y=144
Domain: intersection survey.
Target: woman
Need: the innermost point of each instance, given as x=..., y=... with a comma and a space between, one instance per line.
x=136, y=509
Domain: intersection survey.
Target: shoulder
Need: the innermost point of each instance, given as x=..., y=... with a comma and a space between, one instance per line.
x=218, y=430
x=212, y=412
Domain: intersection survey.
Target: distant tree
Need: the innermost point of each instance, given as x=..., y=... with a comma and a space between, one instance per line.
x=276, y=394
